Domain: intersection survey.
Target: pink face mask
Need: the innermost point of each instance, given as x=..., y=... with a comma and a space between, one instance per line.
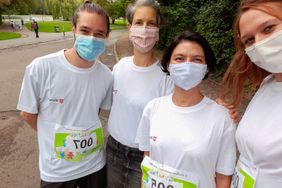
x=143, y=38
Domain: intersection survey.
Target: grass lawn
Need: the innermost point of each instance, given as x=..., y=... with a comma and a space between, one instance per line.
x=9, y=35
x=50, y=26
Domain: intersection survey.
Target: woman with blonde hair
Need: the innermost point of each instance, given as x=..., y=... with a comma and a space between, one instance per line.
x=258, y=63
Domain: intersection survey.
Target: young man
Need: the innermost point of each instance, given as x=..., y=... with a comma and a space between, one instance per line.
x=60, y=98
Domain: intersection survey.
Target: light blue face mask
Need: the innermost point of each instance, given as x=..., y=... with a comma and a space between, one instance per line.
x=89, y=48
x=188, y=74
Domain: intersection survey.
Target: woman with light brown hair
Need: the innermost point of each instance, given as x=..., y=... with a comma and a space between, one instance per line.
x=258, y=64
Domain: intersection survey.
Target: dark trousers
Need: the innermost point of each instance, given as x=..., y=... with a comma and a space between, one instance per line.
x=123, y=165
x=36, y=33
x=96, y=180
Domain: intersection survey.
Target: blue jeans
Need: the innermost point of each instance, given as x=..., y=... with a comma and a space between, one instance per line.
x=123, y=165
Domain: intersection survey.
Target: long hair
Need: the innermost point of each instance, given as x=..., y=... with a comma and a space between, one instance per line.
x=242, y=71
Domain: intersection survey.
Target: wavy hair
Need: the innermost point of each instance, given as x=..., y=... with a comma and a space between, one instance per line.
x=242, y=71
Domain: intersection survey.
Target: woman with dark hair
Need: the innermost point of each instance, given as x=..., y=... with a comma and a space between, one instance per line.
x=258, y=63
x=188, y=139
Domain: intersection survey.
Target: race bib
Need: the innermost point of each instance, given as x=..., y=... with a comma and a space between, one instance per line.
x=245, y=175
x=156, y=175
x=73, y=146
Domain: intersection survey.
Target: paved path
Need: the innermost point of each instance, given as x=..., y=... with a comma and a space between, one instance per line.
x=18, y=145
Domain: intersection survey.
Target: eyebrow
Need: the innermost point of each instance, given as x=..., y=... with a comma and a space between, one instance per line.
x=88, y=28
x=264, y=24
x=194, y=56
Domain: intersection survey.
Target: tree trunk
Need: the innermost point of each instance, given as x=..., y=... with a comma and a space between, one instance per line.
x=113, y=21
x=0, y=16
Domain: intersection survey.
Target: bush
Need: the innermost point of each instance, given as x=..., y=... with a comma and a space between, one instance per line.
x=211, y=18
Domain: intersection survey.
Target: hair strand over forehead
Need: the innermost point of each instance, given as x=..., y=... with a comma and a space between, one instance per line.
x=90, y=7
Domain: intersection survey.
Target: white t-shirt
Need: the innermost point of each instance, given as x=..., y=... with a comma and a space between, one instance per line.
x=259, y=135
x=134, y=87
x=197, y=139
x=67, y=100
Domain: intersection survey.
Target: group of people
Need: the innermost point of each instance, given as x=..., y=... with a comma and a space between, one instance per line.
x=163, y=132
x=15, y=26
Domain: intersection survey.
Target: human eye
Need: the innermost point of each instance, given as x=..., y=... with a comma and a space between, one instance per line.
x=138, y=22
x=197, y=61
x=152, y=24
x=178, y=58
x=268, y=29
x=248, y=42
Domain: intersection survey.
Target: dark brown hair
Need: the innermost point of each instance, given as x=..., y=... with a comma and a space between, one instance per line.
x=91, y=8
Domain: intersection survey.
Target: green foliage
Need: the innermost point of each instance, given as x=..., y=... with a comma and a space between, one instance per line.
x=62, y=9
x=211, y=18
x=21, y=7
x=9, y=35
x=115, y=9
x=214, y=21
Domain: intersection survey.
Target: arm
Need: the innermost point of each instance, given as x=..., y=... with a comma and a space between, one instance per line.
x=31, y=119
x=222, y=181
x=146, y=153
x=234, y=115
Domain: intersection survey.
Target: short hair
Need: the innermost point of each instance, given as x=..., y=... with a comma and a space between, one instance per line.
x=131, y=9
x=90, y=7
x=192, y=36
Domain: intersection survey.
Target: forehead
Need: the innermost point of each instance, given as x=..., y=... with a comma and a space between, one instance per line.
x=188, y=48
x=145, y=13
x=252, y=19
x=92, y=21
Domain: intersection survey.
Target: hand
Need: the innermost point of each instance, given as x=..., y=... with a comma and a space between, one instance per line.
x=234, y=115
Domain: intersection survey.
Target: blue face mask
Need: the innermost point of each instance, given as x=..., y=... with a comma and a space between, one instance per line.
x=89, y=48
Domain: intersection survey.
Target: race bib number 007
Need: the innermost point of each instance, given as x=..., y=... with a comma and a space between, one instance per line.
x=159, y=176
x=76, y=145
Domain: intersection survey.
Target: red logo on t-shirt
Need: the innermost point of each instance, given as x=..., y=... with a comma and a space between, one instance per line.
x=61, y=101
x=154, y=138
x=58, y=101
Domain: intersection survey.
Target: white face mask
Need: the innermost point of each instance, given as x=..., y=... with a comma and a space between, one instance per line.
x=187, y=75
x=267, y=53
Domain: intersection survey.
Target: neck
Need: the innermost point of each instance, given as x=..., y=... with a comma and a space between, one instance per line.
x=278, y=77
x=144, y=60
x=188, y=98
x=74, y=59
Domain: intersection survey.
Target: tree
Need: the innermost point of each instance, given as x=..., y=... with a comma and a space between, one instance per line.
x=211, y=18
x=3, y=4
x=115, y=8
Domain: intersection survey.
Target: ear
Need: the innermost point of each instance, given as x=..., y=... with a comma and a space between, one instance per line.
x=73, y=28
x=128, y=26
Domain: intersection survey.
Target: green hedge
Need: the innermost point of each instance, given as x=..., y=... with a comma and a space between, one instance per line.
x=211, y=18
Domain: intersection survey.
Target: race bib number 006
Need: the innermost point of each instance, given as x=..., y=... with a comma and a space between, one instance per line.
x=158, y=176
x=76, y=145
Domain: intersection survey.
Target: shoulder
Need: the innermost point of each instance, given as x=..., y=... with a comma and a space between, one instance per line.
x=106, y=71
x=41, y=62
x=157, y=103
x=125, y=61
x=219, y=112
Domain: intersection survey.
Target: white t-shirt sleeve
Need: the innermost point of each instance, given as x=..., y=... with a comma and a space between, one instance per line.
x=227, y=154
x=30, y=91
x=143, y=131
x=108, y=100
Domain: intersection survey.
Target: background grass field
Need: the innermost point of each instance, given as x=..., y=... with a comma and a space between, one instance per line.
x=9, y=35
x=67, y=25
